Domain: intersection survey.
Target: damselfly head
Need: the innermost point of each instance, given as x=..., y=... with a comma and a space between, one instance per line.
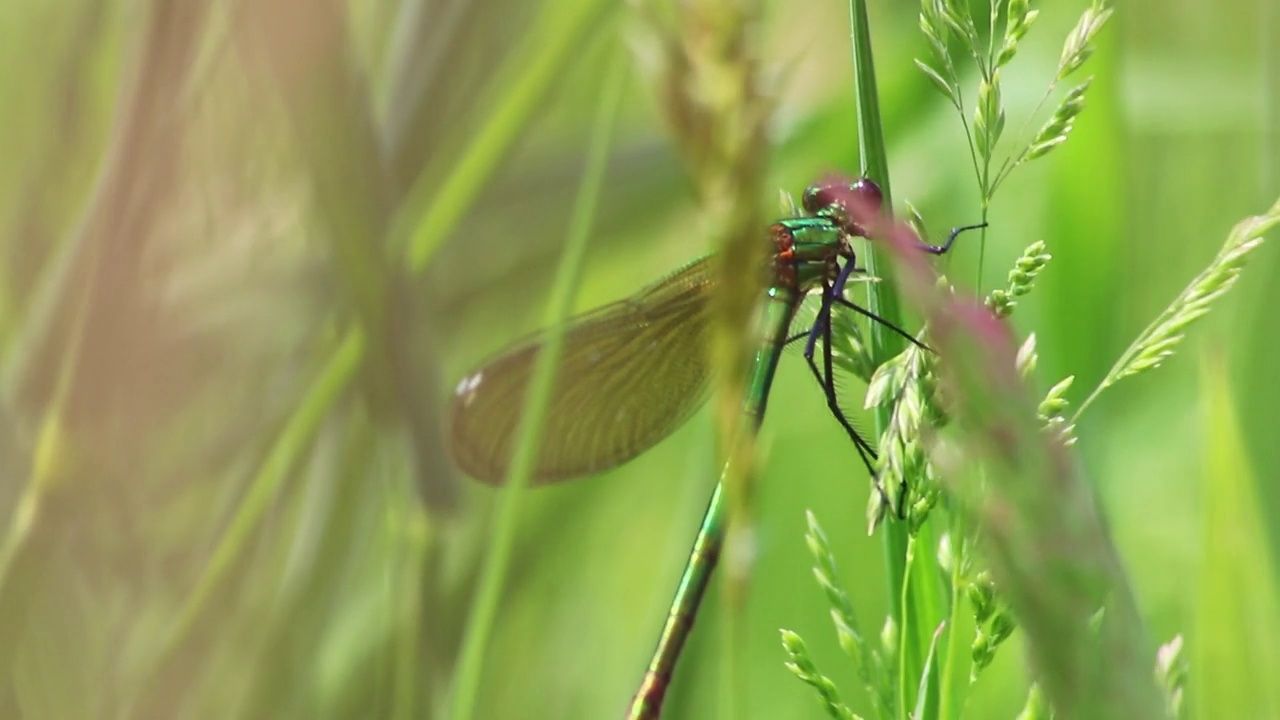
x=843, y=199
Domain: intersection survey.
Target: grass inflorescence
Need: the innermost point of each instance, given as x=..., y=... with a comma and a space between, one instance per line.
x=1158, y=341
x=717, y=108
x=1024, y=546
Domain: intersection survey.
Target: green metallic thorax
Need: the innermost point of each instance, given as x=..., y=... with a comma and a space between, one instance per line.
x=807, y=251
x=816, y=245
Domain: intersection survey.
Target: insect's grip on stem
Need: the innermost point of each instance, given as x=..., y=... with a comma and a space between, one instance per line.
x=951, y=238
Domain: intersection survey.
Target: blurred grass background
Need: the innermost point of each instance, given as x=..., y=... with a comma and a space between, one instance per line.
x=199, y=201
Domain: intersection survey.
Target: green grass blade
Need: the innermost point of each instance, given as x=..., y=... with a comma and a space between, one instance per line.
x=871, y=147
x=49, y=465
x=294, y=440
x=331, y=120
x=1238, y=608
x=882, y=299
x=480, y=622
x=906, y=628
x=928, y=610
x=926, y=697
x=1036, y=707
x=408, y=668
x=535, y=68
x=953, y=683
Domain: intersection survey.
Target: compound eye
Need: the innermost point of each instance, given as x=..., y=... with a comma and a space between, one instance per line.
x=820, y=197
x=868, y=191
x=815, y=198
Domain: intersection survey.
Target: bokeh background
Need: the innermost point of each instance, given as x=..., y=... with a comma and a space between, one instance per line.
x=210, y=511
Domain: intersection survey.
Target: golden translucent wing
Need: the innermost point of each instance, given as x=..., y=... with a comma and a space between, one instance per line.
x=630, y=374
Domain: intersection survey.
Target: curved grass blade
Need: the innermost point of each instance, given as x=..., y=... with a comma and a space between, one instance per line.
x=882, y=299
x=541, y=384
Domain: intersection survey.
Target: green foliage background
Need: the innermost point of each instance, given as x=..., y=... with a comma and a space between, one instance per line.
x=242, y=213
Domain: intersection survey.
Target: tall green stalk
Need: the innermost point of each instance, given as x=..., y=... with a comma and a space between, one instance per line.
x=484, y=609
x=882, y=299
x=540, y=64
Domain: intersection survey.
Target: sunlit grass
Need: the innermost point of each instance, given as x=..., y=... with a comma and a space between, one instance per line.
x=240, y=241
